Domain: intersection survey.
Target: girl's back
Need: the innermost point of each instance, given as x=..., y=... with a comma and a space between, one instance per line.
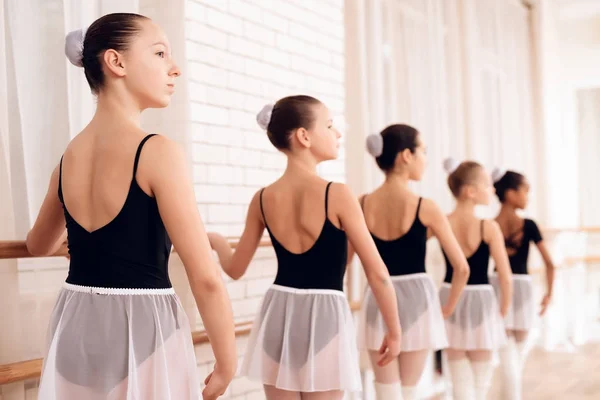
x=294, y=210
x=97, y=172
x=390, y=211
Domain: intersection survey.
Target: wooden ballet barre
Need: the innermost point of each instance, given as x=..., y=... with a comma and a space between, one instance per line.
x=12, y=249
x=32, y=369
x=20, y=371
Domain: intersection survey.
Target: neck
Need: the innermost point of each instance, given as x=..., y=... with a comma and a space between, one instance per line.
x=301, y=165
x=397, y=179
x=117, y=107
x=507, y=211
x=466, y=207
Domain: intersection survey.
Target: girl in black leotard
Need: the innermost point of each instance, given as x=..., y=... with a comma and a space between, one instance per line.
x=512, y=190
x=118, y=330
x=303, y=342
x=399, y=221
x=475, y=329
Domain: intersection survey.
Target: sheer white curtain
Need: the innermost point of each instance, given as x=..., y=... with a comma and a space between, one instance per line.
x=44, y=102
x=460, y=71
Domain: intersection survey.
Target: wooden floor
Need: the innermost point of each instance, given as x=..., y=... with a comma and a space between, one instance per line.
x=572, y=374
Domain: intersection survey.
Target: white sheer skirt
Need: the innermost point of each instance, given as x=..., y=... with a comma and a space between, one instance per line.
x=115, y=344
x=303, y=340
x=521, y=313
x=476, y=323
x=419, y=311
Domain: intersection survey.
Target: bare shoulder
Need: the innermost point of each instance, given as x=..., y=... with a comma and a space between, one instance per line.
x=340, y=192
x=162, y=162
x=491, y=230
x=161, y=146
x=430, y=212
x=162, y=155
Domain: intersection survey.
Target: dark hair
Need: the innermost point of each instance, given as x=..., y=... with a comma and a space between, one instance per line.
x=396, y=139
x=465, y=174
x=112, y=31
x=510, y=181
x=290, y=113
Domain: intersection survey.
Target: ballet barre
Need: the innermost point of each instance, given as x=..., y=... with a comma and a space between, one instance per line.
x=31, y=369
x=12, y=249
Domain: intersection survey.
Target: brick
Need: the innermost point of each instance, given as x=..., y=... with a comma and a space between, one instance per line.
x=318, y=54
x=195, y=11
x=225, y=175
x=209, y=154
x=244, y=157
x=209, y=114
x=204, y=354
x=257, y=139
x=259, y=69
x=276, y=57
x=258, y=287
x=273, y=160
x=246, y=307
x=243, y=194
x=260, y=177
x=203, y=33
x=203, y=73
x=225, y=213
x=224, y=135
x=243, y=385
x=212, y=56
x=236, y=289
x=203, y=210
x=260, y=34
x=244, y=84
x=245, y=10
x=303, y=32
x=275, y=22
x=212, y=193
x=223, y=97
x=244, y=47
x=200, y=173
x=243, y=119
x=253, y=104
x=258, y=395
x=216, y=4
x=224, y=22
x=197, y=92
x=289, y=43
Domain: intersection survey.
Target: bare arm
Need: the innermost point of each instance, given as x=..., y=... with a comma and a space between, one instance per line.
x=236, y=263
x=549, y=275
x=498, y=252
x=48, y=232
x=351, y=251
x=437, y=222
x=376, y=272
x=172, y=186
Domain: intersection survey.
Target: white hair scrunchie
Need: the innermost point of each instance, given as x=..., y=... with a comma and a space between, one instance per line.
x=497, y=174
x=74, y=46
x=263, y=118
x=375, y=145
x=450, y=165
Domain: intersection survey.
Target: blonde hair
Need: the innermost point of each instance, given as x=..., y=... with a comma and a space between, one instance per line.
x=464, y=174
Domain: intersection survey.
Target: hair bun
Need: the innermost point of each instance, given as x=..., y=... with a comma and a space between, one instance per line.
x=497, y=174
x=375, y=145
x=74, y=47
x=263, y=118
x=450, y=165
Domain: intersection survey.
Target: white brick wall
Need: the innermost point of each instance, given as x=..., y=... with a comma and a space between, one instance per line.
x=242, y=54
